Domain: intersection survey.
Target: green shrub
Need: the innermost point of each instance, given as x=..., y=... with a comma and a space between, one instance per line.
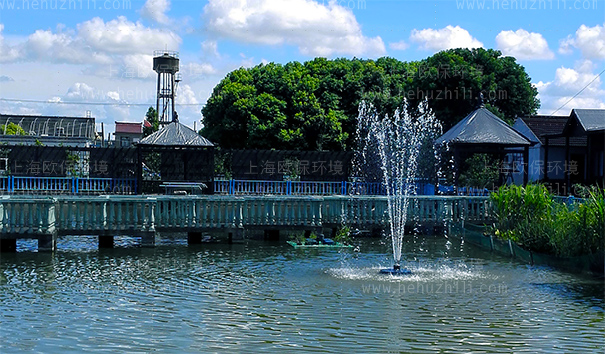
x=581, y=226
x=530, y=217
x=525, y=216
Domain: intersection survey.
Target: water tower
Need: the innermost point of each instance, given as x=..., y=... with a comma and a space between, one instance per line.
x=166, y=64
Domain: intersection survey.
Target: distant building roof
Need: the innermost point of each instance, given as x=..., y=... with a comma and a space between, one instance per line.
x=483, y=127
x=54, y=126
x=549, y=125
x=129, y=128
x=175, y=134
x=591, y=120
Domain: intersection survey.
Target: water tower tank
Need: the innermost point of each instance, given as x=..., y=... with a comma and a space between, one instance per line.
x=166, y=62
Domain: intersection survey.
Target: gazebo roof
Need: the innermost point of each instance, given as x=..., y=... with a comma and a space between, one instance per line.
x=176, y=134
x=483, y=127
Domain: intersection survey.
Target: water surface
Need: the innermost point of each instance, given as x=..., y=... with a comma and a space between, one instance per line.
x=268, y=297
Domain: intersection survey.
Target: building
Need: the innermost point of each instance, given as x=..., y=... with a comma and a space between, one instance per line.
x=50, y=130
x=127, y=133
x=536, y=129
x=568, y=149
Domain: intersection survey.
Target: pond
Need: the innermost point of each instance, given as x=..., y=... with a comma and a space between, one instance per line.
x=261, y=297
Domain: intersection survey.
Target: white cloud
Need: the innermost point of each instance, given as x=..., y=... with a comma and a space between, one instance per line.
x=186, y=95
x=156, y=11
x=195, y=71
x=210, y=49
x=567, y=83
x=401, y=45
x=316, y=29
x=94, y=42
x=120, y=36
x=7, y=53
x=589, y=40
x=446, y=38
x=523, y=45
x=139, y=66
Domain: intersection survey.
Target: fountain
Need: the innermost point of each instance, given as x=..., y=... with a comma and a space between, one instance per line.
x=396, y=144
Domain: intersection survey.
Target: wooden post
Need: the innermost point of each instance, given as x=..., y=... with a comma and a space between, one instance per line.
x=566, y=167
x=545, y=162
x=526, y=165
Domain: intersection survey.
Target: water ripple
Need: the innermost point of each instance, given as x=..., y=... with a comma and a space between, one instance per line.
x=265, y=298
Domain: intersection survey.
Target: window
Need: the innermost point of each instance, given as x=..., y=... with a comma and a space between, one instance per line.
x=125, y=141
x=3, y=164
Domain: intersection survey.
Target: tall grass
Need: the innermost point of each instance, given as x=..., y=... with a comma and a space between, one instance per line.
x=530, y=217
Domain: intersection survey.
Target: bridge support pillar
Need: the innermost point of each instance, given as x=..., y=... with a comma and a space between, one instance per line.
x=47, y=243
x=148, y=239
x=271, y=235
x=105, y=241
x=194, y=238
x=8, y=245
x=235, y=235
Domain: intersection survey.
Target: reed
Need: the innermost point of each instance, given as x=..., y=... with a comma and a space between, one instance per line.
x=531, y=217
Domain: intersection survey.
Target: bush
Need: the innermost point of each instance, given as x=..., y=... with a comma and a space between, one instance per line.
x=525, y=216
x=530, y=217
x=581, y=225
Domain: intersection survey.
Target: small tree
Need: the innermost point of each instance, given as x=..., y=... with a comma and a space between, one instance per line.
x=154, y=123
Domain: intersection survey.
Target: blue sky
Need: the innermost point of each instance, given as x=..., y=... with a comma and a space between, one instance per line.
x=93, y=52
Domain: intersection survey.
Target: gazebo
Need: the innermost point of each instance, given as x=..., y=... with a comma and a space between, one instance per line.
x=483, y=132
x=175, y=153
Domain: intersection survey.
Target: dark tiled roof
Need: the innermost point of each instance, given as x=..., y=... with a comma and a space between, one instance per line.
x=551, y=125
x=482, y=127
x=592, y=120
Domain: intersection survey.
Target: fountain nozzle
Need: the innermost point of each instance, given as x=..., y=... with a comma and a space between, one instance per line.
x=396, y=267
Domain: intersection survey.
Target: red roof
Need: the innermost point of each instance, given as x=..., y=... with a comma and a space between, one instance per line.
x=128, y=127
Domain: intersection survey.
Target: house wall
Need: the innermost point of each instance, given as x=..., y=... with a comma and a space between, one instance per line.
x=132, y=138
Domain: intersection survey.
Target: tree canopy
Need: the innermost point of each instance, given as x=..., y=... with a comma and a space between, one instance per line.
x=154, y=123
x=314, y=105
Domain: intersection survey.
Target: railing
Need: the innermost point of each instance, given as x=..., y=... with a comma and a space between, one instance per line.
x=87, y=214
x=67, y=185
x=256, y=187
x=27, y=215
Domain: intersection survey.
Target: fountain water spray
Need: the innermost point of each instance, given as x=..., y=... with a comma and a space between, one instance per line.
x=397, y=143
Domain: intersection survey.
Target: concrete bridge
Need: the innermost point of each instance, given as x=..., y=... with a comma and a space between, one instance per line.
x=45, y=218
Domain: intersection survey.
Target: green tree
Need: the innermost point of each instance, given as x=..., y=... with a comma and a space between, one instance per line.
x=314, y=105
x=11, y=129
x=152, y=117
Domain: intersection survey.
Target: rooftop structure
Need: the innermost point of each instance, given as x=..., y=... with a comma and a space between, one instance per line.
x=50, y=130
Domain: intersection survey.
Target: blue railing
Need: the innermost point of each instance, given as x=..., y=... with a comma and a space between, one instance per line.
x=254, y=187
x=67, y=185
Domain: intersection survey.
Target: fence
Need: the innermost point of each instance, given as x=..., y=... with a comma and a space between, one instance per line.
x=256, y=187
x=66, y=185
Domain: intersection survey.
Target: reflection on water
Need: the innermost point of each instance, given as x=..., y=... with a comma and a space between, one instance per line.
x=265, y=297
